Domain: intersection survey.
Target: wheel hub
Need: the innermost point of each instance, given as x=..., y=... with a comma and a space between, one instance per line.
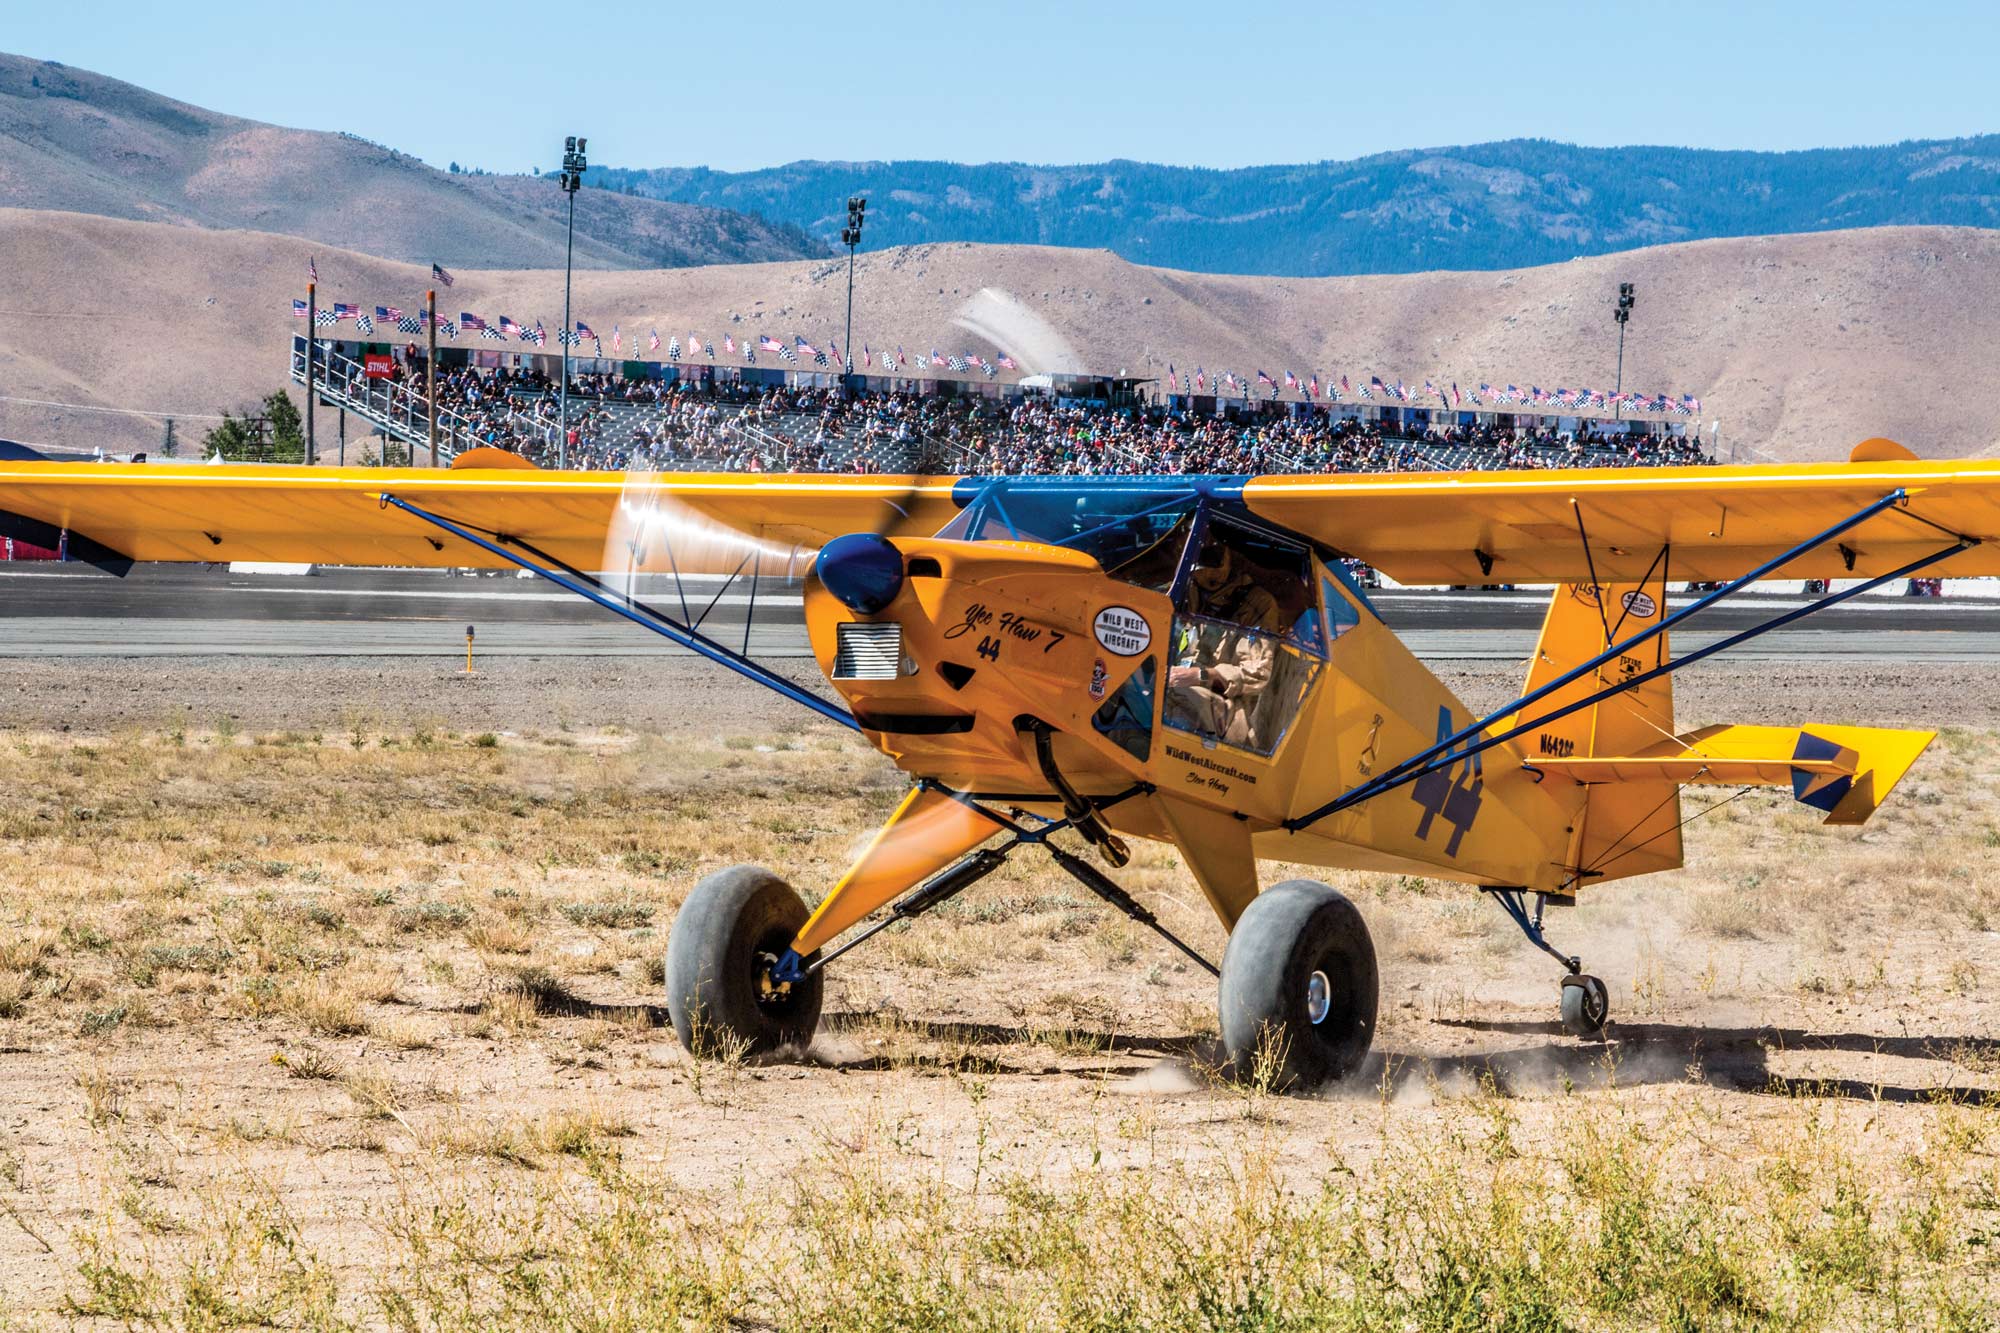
x=1319, y=997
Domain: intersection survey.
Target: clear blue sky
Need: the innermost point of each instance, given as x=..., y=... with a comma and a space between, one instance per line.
x=754, y=83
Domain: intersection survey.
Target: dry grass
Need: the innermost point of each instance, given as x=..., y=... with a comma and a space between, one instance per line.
x=333, y=1034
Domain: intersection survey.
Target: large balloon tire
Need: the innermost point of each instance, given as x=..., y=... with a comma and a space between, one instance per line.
x=732, y=928
x=1299, y=949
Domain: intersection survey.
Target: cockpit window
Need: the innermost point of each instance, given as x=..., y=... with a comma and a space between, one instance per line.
x=1122, y=528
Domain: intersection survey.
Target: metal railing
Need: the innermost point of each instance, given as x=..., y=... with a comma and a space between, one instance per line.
x=401, y=412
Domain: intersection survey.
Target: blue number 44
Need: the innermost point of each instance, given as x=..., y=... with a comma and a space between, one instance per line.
x=1456, y=799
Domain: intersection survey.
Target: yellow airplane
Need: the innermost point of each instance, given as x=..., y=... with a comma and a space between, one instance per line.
x=1181, y=658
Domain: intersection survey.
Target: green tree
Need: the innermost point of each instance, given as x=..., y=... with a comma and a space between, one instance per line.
x=288, y=437
x=234, y=440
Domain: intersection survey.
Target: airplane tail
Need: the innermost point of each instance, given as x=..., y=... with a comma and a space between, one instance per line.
x=1627, y=763
x=1630, y=827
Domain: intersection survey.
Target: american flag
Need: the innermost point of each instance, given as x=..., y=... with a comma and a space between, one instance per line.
x=1312, y=387
x=312, y=268
x=583, y=331
x=729, y=344
x=468, y=320
x=1343, y=385
x=769, y=344
x=1173, y=380
x=617, y=339
x=653, y=340
x=1374, y=383
x=387, y=314
x=299, y=310
x=1431, y=391
x=901, y=360
x=440, y=275
x=833, y=350
x=1457, y=398
x=937, y=358
x=673, y=349
x=342, y=310
x=539, y=336
x=1007, y=363
x=508, y=328
x=1262, y=378
x=805, y=347
x=411, y=324
x=363, y=324
x=1291, y=380
x=975, y=362
x=1200, y=379
x=326, y=319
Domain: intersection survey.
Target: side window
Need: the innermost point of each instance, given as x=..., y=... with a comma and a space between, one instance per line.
x=1342, y=615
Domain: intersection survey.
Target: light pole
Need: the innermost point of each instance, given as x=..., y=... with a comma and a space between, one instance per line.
x=850, y=236
x=573, y=167
x=1622, y=314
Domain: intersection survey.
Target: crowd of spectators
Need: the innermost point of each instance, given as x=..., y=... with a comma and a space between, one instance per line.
x=615, y=423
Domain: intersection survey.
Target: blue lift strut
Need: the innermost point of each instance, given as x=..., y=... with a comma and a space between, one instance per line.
x=1394, y=776
x=640, y=614
x=1438, y=761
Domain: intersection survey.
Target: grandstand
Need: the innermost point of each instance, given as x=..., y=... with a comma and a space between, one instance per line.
x=798, y=421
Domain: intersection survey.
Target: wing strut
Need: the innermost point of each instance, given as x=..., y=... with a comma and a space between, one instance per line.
x=583, y=585
x=1443, y=754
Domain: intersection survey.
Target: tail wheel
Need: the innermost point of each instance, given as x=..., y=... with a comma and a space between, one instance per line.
x=1299, y=987
x=728, y=936
x=1586, y=1006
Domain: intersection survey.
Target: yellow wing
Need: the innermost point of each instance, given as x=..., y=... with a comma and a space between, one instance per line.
x=337, y=516
x=1720, y=522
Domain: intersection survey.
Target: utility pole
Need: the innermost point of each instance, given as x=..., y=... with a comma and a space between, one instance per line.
x=573, y=167
x=850, y=236
x=431, y=375
x=312, y=337
x=1622, y=314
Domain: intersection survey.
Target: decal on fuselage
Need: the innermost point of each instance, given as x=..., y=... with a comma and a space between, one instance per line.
x=1454, y=799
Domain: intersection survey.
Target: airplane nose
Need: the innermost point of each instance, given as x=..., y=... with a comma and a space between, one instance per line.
x=863, y=570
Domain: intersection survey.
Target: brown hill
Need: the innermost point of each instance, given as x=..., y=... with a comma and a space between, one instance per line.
x=1799, y=345
x=71, y=139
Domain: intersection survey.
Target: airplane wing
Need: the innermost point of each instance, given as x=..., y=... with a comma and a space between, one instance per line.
x=336, y=516
x=1719, y=522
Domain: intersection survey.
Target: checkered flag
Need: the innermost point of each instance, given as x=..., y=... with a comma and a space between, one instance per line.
x=565, y=338
x=674, y=348
x=447, y=328
x=325, y=319
x=409, y=324
x=957, y=363
x=819, y=358
x=363, y=324
x=493, y=334
x=786, y=354
x=711, y=351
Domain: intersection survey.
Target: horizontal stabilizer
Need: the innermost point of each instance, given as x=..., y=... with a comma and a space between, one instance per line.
x=1844, y=771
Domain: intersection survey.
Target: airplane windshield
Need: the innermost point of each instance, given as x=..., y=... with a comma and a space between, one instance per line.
x=1116, y=526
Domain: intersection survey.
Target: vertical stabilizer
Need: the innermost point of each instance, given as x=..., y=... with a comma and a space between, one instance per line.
x=1627, y=828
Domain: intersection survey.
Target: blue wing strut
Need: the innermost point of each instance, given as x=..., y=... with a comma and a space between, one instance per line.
x=637, y=612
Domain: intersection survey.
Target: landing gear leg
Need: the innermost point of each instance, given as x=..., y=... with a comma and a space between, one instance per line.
x=1586, y=1004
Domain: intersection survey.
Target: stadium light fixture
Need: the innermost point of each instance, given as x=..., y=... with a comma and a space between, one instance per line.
x=850, y=236
x=1624, y=312
x=573, y=167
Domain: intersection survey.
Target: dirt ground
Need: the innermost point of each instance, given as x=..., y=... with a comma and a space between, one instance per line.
x=298, y=959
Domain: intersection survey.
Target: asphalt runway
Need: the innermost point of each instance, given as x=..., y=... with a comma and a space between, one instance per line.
x=200, y=611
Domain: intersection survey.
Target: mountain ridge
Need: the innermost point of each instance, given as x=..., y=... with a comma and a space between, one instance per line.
x=78, y=141
x=1507, y=204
